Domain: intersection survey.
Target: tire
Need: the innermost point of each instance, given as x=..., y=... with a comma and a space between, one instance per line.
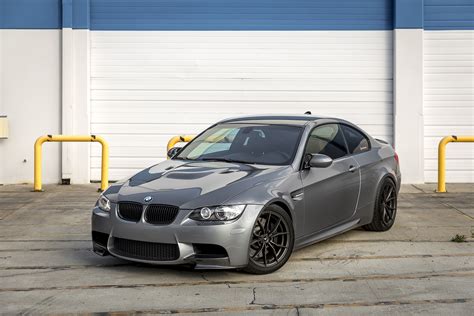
x=385, y=209
x=272, y=241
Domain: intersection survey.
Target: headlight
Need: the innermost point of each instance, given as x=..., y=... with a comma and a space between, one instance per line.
x=104, y=203
x=217, y=213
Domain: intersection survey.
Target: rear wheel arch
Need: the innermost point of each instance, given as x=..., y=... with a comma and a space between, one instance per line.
x=380, y=182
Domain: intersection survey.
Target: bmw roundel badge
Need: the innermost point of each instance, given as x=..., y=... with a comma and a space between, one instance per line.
x=147, y=199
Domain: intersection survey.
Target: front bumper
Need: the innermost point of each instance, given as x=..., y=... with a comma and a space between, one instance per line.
x=188, y=235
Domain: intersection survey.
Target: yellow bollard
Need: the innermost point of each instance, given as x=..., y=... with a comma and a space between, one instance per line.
x=442, y=157
x=178, y=139
x=71, y=138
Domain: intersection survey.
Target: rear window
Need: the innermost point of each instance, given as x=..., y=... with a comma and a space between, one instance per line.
x=327, y=140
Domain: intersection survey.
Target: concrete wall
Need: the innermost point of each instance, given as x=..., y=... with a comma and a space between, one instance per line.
x=30, y=95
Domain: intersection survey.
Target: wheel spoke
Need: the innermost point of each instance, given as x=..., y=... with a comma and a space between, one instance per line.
x=262, y=229
x=278, y=245
x=390, y=190
x=384, y=211
x=274, y=252
x=267, y=224
x=255, y=241
x=279, y=234
x=255, y=254
x=276, y=226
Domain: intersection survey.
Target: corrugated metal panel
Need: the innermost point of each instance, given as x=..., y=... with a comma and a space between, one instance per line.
x=241, y=15
x=449, y=101
x=449, y=14
x=44, y=14
x=30, y=14
x=148, y=86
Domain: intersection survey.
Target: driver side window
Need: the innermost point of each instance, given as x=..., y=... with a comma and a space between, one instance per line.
x=327, y=140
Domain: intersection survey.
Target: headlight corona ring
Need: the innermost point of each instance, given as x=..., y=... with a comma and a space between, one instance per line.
x=104, y=203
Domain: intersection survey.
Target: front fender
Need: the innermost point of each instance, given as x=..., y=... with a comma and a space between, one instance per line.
x=278, y=191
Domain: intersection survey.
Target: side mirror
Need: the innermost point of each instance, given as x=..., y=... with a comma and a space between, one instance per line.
x=319, y=161
x=174, y=151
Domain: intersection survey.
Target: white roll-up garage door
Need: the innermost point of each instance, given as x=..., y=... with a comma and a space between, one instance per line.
x=449, y=102
x=147, y=86
x=448, y=88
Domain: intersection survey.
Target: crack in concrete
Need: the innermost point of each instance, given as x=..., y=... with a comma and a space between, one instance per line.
x=254, y=292
x=419, y=189
x=456, y=209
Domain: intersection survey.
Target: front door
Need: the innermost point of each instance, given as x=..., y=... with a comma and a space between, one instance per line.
x=330, y=193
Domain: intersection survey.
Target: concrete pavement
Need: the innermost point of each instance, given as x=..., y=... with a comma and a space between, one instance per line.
x=47, y=266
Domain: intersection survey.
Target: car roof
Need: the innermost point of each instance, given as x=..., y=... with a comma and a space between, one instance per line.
x=298, y=120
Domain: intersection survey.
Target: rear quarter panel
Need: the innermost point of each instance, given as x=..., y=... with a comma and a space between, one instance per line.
x=376, y=164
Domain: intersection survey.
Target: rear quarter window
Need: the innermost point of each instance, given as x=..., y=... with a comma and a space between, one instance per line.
x=356, y=141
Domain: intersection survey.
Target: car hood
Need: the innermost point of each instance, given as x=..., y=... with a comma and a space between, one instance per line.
x=193, y=184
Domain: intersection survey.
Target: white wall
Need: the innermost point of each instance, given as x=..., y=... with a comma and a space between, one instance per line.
x=408, y=102
x=30, y=94
x=75, y=104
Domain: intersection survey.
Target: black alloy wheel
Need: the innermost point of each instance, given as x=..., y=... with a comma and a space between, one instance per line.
x=385, y=207
x=272, y=241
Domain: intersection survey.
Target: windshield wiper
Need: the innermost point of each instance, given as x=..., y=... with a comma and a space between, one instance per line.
x=181, y=158
x=225, y=160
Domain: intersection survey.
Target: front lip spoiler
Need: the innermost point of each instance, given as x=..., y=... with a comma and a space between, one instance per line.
x=199, y=262
x=100, y=250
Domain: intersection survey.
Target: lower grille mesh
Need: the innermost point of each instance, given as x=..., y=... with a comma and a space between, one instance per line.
x=145, y=250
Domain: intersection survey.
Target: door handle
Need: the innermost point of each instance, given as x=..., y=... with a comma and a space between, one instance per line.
x=352, y=168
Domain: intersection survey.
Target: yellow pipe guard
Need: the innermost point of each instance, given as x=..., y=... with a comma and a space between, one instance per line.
x=71, y=138
x=442, y=157
x=178, y=139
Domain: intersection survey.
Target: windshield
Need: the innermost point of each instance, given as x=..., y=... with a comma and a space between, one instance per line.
x=245, y=143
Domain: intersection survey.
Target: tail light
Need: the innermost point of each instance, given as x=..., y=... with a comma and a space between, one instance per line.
x=397, y=159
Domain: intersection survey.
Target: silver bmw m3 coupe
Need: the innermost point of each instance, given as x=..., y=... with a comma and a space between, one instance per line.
x=248, y=191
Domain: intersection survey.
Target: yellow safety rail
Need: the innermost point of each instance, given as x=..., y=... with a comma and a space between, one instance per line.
x=71, y=138
x=442, y=157
x=178, y=139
